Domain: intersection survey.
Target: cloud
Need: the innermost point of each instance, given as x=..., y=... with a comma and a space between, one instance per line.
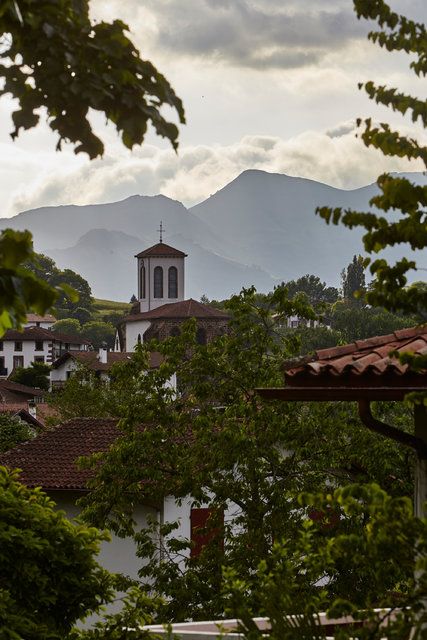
x=341, y=129
x=335, y=157
x=258, y=34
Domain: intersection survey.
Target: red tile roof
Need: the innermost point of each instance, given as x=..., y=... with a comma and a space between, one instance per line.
x=34, y=317
x=179, y=310
x=49, y=461
x=161, y=250
x=16, y=387
x=38, y=333
x=368, y=357
x=90, y=359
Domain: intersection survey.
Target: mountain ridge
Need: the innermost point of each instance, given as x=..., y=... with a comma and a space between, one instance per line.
x=260, y=228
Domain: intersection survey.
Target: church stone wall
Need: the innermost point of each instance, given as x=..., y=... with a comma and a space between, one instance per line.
x=162, y=329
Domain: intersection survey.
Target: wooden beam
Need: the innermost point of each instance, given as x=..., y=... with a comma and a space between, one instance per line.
x=335, y=394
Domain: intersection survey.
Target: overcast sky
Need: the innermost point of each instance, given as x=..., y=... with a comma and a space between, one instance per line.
x=266, y=84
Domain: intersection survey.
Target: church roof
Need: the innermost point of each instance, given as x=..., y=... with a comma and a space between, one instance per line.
x=161, y=250
x=179, y=310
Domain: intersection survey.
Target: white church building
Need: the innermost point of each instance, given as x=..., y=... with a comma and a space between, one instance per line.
x=162, y=306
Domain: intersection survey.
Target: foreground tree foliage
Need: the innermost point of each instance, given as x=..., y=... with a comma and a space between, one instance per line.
x=397, y=195
x=36, y=375
x=219, y=443
x=365, y=544
x=54, y=56
x=13, y=431
x=49, y=576
x=21, y=292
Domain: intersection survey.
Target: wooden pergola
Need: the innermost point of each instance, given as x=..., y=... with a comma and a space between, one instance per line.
x=364, y=371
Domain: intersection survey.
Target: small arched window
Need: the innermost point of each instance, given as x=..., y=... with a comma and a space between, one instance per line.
x=173, y=282
x=175, y=332
x=142, y=282
x=158, y=282
x=201, y=336
x=139, y=338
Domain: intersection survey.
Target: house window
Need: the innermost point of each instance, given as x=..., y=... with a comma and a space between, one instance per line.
x=158, y=282
x=18, y=346
x=39, y=359
x=173, y=282
x=201, y=336
x=142, y=282
x=18, y=362
x=294, y=324
x=39, y=345
x=3, y=370
x=204, y=530
x=1, y=345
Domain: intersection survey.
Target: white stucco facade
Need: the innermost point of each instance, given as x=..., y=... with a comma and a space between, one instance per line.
x=135, y=332
x=118, y=555
x=23, y=349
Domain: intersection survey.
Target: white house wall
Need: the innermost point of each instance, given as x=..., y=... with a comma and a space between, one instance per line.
x=28, y=352
x=133, y=329
x=59, y=374
x=42, y=325
x=118, y=555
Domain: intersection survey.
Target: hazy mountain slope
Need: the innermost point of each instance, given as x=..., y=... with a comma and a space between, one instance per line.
x=259, y=219
x=106, y=260
x=271, y=219
x=60, y=227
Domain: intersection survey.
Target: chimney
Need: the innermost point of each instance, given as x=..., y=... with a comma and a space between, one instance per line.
x=32, y=409
x=102, y=355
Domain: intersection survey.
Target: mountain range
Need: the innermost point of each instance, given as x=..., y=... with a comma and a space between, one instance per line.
x=259, y=229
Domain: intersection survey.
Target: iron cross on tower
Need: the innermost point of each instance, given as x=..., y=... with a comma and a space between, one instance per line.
x=160, y=230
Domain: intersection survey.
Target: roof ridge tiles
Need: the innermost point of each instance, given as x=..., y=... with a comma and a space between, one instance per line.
x=375, y=341
x=411, y=332
x=332, y=352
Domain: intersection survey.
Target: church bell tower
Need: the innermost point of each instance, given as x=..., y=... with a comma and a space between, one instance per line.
x=160, y=275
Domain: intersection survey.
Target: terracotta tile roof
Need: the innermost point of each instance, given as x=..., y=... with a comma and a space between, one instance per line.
x=90, y=359
x=45, y=411
x=48, y=461
x=22, y=413
x=38, y=333
x=161, y=250
x=179, y=310
x=34, y=317
x=16, y=387
x=368, y=357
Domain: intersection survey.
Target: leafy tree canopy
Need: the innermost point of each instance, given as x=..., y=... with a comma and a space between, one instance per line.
x=353, y=281
x=78, y=284
x=36, y=375
x=21, y=292
x=54, y=56
x=98, y=332
x=315, y=290
x=220, y=443
x=13, y=431
x=49, y=577
x=69, y=326
x=361, y=552
x=399, y=196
